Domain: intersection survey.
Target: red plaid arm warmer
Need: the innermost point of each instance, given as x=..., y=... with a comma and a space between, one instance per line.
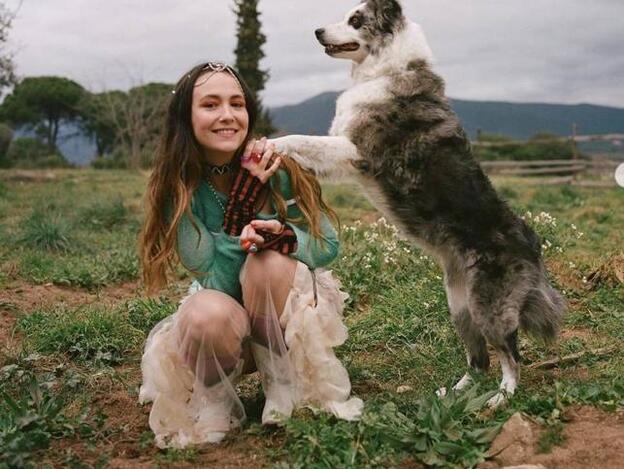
x=284, y=243
x=240, y=208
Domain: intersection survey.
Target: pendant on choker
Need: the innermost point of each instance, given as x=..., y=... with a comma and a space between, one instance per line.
x=219, y=170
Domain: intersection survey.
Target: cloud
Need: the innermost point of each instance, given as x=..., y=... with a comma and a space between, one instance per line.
x=551, y=51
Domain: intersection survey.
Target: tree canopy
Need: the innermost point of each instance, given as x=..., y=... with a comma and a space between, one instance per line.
x=42, y=103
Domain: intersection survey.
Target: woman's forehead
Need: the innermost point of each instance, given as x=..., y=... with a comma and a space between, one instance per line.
x=216, y=84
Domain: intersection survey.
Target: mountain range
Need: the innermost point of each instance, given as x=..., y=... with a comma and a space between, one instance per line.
x=516, y=120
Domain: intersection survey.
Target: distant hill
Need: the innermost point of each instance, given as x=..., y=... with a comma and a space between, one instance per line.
x=517, y=120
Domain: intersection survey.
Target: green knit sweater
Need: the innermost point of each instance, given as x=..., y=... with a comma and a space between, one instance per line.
x=215, y=258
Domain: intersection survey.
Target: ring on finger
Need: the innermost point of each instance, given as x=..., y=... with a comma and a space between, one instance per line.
x=255, y=157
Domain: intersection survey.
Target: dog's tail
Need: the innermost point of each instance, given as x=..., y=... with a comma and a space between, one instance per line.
x=543, y=311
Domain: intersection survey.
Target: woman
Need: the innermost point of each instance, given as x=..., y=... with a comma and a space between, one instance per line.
x=253, y=230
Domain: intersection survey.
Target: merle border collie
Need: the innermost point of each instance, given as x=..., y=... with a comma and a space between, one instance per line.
x=396, y=134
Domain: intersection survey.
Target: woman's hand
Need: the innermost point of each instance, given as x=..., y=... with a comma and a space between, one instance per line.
x=250, y=234
x=259, y=160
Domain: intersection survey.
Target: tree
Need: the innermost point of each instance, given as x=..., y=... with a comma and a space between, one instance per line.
x=42, y=103
x=249, y=54
x=96, y=120
x=7, y=69
x=135, y=119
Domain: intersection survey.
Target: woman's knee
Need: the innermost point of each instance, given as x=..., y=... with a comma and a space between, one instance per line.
x=266, y=269
x=213, y=321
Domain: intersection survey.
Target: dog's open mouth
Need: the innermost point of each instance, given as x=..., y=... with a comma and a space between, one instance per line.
x=335, y=48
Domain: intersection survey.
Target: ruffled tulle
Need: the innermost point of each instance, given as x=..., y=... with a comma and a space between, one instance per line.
x=312, y=321
x=183, y=410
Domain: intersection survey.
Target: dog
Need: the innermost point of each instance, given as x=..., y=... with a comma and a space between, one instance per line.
x=395, y=133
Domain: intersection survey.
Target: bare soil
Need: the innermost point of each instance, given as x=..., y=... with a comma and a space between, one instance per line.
x=592, y=438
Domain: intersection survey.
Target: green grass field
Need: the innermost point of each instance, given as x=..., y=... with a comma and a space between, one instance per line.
x=73, y=319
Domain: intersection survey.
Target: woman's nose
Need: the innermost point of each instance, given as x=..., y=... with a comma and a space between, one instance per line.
x=226, y=113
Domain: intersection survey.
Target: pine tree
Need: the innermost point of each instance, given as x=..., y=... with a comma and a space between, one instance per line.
x=248, y=56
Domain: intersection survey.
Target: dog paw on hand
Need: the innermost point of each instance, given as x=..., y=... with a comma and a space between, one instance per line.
x=283, y=145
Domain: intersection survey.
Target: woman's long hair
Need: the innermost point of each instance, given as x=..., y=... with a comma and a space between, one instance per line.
x=178, y=171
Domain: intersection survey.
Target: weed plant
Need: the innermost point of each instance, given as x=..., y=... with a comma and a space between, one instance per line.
x=48, y=231
x=34, y=410
x=372, y=260
x=438, y=432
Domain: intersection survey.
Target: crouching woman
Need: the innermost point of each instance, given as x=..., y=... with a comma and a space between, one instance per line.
x=254, y=232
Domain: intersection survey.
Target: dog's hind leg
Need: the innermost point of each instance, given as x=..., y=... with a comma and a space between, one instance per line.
x=474, y=341
x=509, y=359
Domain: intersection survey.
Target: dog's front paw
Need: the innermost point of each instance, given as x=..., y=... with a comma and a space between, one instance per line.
x=283, y=145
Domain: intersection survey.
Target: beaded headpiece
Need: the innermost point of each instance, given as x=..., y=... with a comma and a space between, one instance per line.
x=215, y=67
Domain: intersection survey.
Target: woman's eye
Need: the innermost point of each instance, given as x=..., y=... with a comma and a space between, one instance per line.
x=238, y=105
x=209, y=105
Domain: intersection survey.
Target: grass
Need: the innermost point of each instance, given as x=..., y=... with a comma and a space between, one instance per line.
x=46, y=231
x=90, y=333
x=78, y=232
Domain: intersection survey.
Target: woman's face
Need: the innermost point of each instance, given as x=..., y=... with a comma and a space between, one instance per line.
x=219, y=116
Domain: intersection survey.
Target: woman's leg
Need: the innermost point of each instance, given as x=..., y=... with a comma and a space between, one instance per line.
x=267, y=279
x=210, y=330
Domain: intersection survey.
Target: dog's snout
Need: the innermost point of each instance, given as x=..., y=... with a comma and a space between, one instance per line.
x=319, y=33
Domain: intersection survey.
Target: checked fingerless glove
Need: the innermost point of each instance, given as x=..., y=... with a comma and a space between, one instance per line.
x=284, y=242
x=241, y=204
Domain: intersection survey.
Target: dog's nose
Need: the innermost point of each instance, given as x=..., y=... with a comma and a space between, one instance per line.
x=319, y=33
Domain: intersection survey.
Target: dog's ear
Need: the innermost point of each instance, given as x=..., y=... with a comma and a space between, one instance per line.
x=388, y=14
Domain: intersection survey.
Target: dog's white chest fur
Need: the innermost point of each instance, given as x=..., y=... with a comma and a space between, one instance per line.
x=349, y=102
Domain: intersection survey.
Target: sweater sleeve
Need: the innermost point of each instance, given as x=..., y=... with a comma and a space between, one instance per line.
x=196, y=247
x=314, y=252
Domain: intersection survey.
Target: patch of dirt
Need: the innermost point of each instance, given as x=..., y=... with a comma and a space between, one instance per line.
x=127, y=442
x=27, y=297
x=591, y=438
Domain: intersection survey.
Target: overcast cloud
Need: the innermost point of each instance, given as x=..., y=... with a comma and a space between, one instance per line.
x=557, y=51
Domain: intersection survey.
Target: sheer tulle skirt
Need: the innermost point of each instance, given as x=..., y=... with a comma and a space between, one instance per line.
x=192, y=386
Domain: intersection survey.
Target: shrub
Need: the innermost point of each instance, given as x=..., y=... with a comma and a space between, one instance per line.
x=27, y=152
x=539, y=147
x=46, y=231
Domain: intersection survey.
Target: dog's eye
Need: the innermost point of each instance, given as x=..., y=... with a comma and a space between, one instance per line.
x=355, y=22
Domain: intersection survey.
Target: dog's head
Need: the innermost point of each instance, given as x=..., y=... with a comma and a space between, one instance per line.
x=365, y=30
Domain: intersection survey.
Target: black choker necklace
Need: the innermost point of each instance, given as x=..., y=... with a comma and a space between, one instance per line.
x=219, y=170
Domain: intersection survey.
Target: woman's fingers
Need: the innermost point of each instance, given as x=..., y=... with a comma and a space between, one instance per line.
x=272, y=226
x=249, y=236
x=275, y=166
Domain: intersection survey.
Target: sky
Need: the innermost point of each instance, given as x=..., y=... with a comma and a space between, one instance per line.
x=554, y=51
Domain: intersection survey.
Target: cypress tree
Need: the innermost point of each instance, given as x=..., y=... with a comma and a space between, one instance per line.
x=249, y=54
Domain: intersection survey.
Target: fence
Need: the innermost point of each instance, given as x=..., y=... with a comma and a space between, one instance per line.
x=594, y=171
